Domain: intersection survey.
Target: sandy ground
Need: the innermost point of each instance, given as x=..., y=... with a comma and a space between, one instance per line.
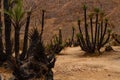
x=72, y=65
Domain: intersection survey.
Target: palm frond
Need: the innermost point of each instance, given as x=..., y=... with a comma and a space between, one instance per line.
x=16, y=13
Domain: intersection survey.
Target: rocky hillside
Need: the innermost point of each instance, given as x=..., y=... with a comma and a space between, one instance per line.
x=65, y=13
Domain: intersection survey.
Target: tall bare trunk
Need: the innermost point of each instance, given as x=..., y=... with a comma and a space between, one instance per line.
x=17, y=39
x=1, y=42
x=7, y=20
x=25, y=44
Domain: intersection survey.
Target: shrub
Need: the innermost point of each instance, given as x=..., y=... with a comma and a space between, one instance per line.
x=56, y=44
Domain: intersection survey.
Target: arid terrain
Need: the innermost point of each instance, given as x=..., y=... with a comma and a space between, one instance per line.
x=65, y=13
x=72, y=65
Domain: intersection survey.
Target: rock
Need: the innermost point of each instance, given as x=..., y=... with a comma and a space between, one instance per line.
x=109, y=75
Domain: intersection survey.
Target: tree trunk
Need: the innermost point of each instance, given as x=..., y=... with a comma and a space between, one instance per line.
x=72, y=39
x=25, y=44
x=7, y=20
x=1, y=43
x=17, y=38
x=60, y=37
x=43, y=14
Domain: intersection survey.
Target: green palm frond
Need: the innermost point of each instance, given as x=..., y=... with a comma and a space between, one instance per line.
x=16, y=13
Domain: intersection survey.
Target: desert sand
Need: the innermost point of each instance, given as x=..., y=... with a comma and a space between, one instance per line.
x=72, y=65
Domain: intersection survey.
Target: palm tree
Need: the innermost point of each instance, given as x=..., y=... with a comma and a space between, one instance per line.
x=16, y=15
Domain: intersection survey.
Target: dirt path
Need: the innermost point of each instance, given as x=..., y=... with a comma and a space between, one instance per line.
x=71, y=65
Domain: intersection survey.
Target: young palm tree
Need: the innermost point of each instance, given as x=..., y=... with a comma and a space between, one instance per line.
x=17, y=18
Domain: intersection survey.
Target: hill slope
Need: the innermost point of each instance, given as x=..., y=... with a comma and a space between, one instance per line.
x=65, y=13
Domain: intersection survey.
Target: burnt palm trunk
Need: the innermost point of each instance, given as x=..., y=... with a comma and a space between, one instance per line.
x=25, y=44
x=96, y=28
x=103, y=35
x=81, y=38
x=91, y=25
x=17, y=38
x=43, y=14
x=73, y=33
x=7, y=20
x=1, y=43
x=86, y=30
x=60, y=36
